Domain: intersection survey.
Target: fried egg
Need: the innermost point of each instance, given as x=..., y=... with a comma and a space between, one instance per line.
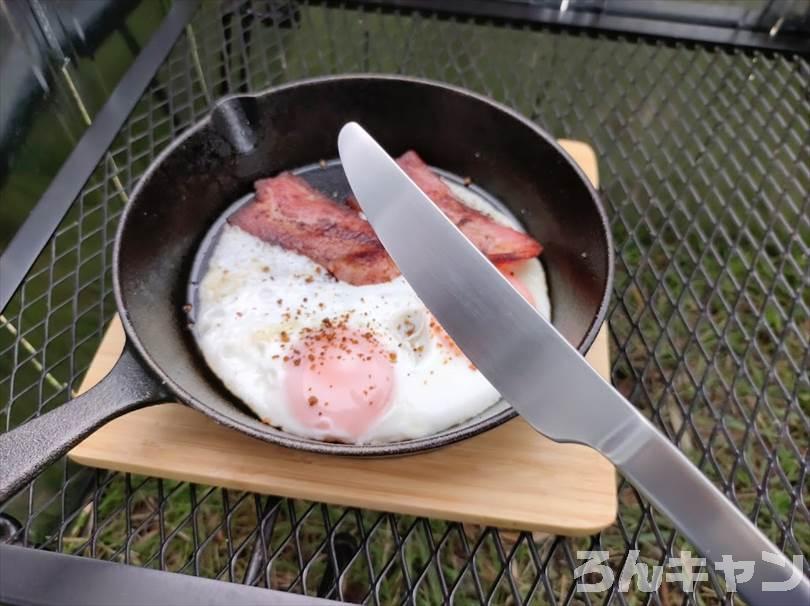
x=328, y=360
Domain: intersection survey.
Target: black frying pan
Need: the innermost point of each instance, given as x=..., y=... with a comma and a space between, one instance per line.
x=191, y=184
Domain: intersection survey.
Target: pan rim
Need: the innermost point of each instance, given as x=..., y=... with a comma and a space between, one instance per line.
x=424, y=444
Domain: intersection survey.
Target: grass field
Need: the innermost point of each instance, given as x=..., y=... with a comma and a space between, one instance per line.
x=703, y=169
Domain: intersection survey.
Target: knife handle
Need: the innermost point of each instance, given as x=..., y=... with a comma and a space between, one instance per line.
x=713, y=524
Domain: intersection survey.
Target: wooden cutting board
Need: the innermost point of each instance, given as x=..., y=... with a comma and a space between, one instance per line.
x=510, y=477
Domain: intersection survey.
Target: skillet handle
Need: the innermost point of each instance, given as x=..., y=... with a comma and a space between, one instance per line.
x=28, y=449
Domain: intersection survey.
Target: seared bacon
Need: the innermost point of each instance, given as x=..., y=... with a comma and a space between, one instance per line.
x=290, y=213
x=500, y=243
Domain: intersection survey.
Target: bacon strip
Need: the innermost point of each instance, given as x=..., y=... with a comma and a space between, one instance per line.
x=500, y=243
x=290, y=213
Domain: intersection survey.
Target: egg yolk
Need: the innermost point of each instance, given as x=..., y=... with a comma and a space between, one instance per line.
x=508, y=270
x=339, y=382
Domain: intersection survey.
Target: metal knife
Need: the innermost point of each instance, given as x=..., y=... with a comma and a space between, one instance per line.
x=545, y=379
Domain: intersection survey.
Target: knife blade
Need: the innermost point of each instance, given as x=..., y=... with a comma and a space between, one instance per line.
x=542, y=376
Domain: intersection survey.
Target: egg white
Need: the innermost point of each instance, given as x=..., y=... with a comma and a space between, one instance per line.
x=254, y=291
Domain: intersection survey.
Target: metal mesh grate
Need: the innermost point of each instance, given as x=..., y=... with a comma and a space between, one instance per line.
x=704, y=161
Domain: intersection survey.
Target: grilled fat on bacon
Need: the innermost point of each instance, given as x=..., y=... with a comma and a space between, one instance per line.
x=288, y=212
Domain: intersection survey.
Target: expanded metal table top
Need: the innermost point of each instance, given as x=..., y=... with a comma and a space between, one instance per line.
x=705, y=174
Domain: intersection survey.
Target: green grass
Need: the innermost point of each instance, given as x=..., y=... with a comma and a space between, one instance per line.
x=719, y=363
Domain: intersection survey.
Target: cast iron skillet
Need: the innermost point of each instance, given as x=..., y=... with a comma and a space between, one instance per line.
x=191, y=184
